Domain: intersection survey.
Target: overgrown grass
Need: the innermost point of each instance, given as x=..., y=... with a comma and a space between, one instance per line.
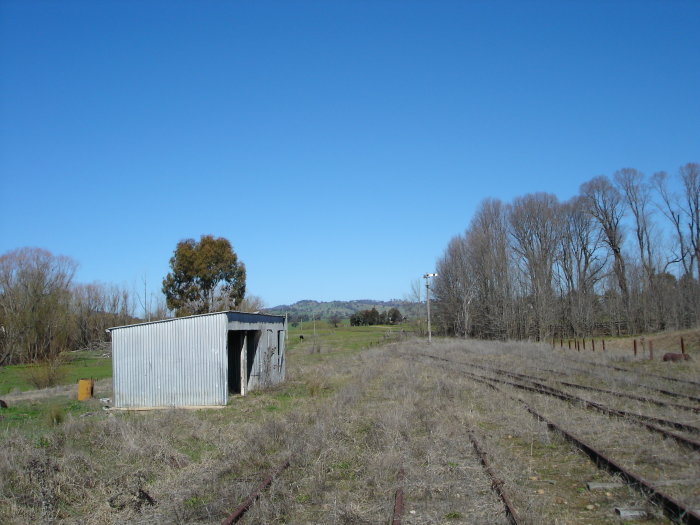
x=352, y=418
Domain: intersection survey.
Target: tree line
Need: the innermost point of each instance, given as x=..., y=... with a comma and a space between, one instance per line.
x=373, y=317
x=621, y=257
x=43, y=312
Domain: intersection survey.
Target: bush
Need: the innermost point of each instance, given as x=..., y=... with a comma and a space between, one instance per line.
x=47, y=374
x=55, y=415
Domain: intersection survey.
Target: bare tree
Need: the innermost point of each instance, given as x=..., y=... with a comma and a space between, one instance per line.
x=34, y=304
x=605, y=204
x=671, y=209
x=581, y=265
x=637, y=195
x=454, y=288
x=535, y=229
x=683, y=214
x=690, y=177
x=489, y=288
x=501, y=277
x=250, y=303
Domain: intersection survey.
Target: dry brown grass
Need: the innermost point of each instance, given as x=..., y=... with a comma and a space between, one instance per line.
x=351, y=422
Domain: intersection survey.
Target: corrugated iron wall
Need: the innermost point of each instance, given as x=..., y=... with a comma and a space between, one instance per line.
x=173, y=363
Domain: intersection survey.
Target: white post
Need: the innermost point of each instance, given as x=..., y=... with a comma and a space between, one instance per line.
x=427, y=277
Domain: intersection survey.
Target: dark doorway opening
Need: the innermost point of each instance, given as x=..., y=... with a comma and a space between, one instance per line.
x=238, y=342
x=236, y=339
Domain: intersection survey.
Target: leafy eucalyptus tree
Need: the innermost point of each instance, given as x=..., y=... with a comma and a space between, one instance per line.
x=206, y=276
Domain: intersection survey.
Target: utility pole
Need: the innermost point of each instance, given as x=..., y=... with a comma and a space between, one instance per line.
x=427, y=277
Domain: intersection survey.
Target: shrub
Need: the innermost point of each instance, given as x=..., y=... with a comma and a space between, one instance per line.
x=47, y=374
x=55, y=415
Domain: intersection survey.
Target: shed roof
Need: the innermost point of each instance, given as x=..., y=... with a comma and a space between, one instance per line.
x=231, y=314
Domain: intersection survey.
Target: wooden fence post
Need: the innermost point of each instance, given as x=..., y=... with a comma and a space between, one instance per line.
x=682, y=346
x=635, y=346
x=651, y=349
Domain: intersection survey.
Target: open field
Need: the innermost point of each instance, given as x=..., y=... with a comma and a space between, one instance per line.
x=78, y=365
x=350, y=421
x=325, y=340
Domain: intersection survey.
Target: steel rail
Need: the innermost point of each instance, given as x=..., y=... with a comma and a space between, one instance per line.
x=621, y=369
x=496, y=482
x=674, y=509
x=623, y=413
x=630, y=396
x=240, y=511
x=398, y=500
x=640, y=419
x=695, y=445
x=651, y=388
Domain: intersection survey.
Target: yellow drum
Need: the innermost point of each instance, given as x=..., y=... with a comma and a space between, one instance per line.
x=85, y=389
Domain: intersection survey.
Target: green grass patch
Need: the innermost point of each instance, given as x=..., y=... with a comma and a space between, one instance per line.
x=303, y=498
x=79, y=365
x=43, y=414
x=197, y=501
x=194, y=448
x=327, y=341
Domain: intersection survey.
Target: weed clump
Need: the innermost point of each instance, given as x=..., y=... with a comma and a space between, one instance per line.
x=55, y=415
x=47, y=374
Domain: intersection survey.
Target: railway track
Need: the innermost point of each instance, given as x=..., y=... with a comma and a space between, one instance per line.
x=644, y=399
x=498, y=379
x=618, y=393
x=497, y=486
x=608, y=366
x=668, y=393
x=398, y=500
x=496, y=482
x=645, y=421
x=546, y=388
x=672, y=507
x=658, y=376
x=241, y=510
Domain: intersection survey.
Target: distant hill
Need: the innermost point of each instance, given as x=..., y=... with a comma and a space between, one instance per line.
x=308, y=309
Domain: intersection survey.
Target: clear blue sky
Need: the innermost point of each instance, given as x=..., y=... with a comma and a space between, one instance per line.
x=337, y=145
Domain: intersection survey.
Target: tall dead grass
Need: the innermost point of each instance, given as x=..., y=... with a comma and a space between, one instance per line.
x=350, y=424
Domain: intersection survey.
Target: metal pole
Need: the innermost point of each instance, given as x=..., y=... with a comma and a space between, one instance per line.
x=427, y=291
x=427, y=277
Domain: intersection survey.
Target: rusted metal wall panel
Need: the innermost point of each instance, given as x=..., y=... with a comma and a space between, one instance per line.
x=180, y=362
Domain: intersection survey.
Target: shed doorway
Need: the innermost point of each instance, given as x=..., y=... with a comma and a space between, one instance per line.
x=236, y=342
x=242, y=349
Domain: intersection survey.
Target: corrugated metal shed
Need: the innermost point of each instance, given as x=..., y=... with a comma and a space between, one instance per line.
x=196, y=360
